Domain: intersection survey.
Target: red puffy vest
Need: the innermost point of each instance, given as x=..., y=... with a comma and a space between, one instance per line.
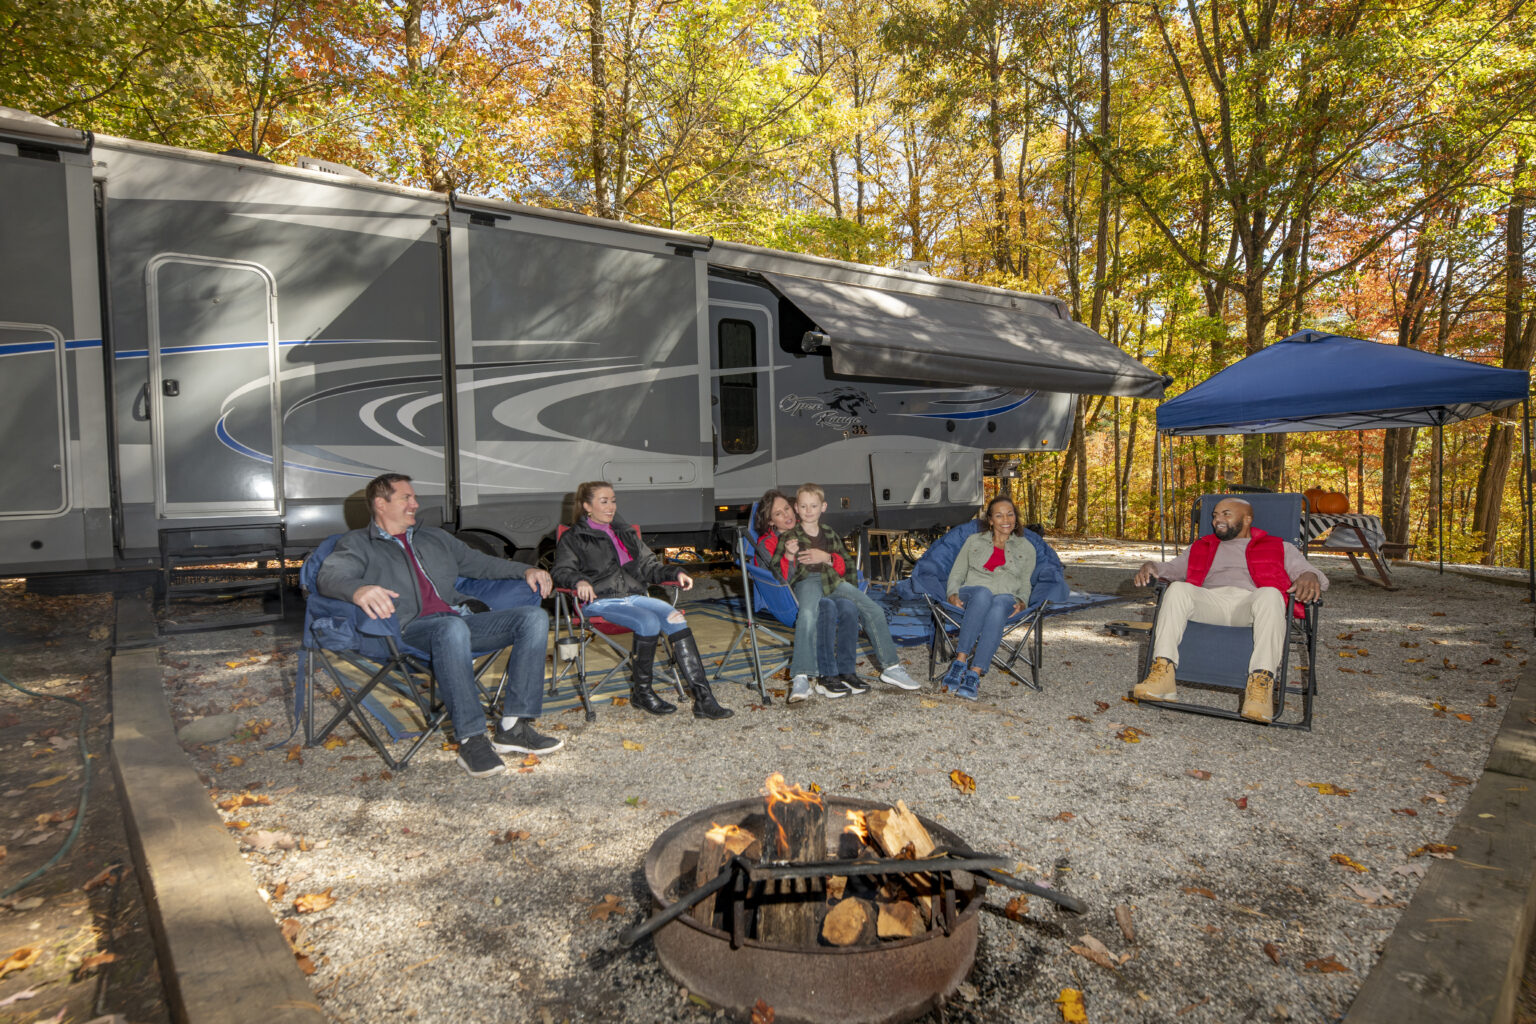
x=1266, y=562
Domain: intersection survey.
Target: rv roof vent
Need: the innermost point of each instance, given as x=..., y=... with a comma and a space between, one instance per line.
x=916, y=267
x=245, y=154
x=310, y=163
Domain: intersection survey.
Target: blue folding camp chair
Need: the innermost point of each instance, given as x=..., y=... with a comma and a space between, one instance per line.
x=1216, y=657
x=768, y=601
x=338, y=633
x=1047, y=584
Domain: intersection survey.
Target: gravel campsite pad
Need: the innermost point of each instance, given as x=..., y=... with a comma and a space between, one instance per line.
x=1262, y=868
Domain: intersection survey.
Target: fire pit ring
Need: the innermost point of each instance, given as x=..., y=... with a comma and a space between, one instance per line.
x=885, y=983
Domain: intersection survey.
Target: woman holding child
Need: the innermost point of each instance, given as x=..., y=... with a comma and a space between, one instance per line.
x=836, y=619
x=990, y=580
x=603, y=560
x=812, y=557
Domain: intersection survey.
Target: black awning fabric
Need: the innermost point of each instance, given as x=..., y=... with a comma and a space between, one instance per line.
x=876, y=332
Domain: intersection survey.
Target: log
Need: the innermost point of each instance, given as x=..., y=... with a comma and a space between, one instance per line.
x=796, y=831
x=898, y=921
x=721, y=843
x=895, y=829
x=849, y=923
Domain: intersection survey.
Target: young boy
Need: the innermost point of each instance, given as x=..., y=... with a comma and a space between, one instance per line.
x=814, y=563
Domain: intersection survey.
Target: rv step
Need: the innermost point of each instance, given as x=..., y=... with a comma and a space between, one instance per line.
x=212, y=562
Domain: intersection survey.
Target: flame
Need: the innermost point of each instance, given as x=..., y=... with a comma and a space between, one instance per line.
x=720, y=833
x=781, y=792
x=858, y=825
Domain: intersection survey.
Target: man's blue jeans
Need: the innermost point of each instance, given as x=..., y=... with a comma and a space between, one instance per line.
x=871, y=617
x=982, y=626
x=451, y=641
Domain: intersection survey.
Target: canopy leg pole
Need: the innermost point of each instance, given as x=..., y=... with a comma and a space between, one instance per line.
x=1440, y=494
x=1157, y=470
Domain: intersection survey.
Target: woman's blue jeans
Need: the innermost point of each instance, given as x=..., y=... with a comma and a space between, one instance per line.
x=642, y=615
x=982, y=626
x=871, y=618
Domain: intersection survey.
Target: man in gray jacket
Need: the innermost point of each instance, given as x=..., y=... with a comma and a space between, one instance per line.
x=394, y=567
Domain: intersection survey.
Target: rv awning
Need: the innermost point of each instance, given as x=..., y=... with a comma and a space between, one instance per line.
x=875, y=332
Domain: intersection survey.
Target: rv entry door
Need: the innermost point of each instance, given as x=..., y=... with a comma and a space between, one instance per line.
x=741, y=351
x=212, y=387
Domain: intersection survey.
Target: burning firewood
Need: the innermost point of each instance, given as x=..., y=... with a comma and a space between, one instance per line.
x=797, y=832
x=721, y=843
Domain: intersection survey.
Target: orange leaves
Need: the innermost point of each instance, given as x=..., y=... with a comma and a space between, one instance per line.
x=1130, y=734
x=1017, y=909
x=1199, y=890
x=107, y=876
x=1326, y=965
x=512, y=835
x=19, y=959
x=1344, y=860
x=240, y=800
x=762, y=1013
x=295, y=753
x=609, y=906
x=1456, y=780
x=1198, y=773
x=1439, y=851
x=1273, y=952
x=314, y=902
x=961, y=781
x=1064, y=816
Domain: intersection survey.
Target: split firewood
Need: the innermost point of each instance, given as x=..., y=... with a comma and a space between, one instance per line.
x=851, y=922
x=721, y=843
x=837, y=885
x=898, y=921
x=894, y=830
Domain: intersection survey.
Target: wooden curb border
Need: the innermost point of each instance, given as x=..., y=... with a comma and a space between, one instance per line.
x=1458, y=952
x=221, y=957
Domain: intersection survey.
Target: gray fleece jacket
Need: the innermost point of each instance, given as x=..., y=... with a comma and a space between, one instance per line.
x=371, y=556
x=1012, y=577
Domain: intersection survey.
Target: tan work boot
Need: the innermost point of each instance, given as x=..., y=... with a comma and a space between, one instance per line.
x=1159, y=684
x=1259, y=699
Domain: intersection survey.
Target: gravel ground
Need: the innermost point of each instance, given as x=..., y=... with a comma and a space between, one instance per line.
x=474, y=899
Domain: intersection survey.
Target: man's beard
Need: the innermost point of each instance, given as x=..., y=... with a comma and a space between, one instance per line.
x=1226, y=531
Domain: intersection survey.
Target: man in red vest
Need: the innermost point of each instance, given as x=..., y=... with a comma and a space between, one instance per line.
x=1234, y=576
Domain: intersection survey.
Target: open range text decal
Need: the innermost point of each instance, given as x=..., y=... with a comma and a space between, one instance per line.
x=838, y=409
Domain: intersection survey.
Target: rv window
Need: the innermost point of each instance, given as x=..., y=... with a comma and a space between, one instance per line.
x=738, y=391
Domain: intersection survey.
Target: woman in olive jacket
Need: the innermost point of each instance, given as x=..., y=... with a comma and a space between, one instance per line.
x=990, y=580
x=604, y=562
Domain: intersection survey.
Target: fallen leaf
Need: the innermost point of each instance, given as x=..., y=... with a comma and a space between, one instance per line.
x=1344, y=860
x=1412, y=661
x=1123, y=919
x=305, y=964
x=1197, y=890
x=1438, y=614
x=1432, y=798
x=1440, y=851
x=1092, y=949
x=16, y=997
x=1459, y=780
x=1447, y=663
x=1491, y=702
x=314, y=902
x=762, y=1013
x=332, y=742
x=1064, y=816
x=45, y=783
x=265, y=839
x=531, y=760
x=279, y=892
x=1070, y=1003
x=1328, y=964
x=1017, y=909
x=512, y=835
x=1240, y=802
x=606, y=909
x=1407, y=811
x=1328, y=788
x=237, y=825
x=236, y=762
x=1129, y=700
x=1198, y=773
x=96, y=960
x=1077, y=718
x=1130, y=734
x=240, y=800
x=19, y=959
x=1272, y=951
x=632, y=745
x=106, y=876
x=1102, y=706
x=295, y=753
x=1374, y=895
x=961, y=781
x=1417, y=869
x=1408, y=643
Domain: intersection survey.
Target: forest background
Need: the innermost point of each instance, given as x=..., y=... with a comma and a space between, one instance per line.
x=1197, y=178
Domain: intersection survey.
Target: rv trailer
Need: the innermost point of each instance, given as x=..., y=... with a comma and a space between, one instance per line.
x=190, y=339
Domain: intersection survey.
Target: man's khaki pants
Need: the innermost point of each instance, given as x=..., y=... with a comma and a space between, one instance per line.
x=1263, y=609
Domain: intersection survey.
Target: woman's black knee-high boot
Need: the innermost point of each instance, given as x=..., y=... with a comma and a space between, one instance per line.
x=686, y=653
x=641, y=695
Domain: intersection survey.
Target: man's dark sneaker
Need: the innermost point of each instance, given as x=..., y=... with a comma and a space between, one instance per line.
x=477, y=757
x=832, y=687
x=854, y=683
x=521, y=739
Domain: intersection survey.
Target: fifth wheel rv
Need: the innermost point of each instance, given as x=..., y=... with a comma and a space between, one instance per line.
x=191, y=339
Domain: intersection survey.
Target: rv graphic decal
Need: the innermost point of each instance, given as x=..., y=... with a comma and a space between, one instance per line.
x=838, y=409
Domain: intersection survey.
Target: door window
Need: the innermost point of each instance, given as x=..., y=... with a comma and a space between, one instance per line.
x=737, y=347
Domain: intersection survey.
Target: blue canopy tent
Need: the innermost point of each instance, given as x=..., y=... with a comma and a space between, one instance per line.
x=1314, y=380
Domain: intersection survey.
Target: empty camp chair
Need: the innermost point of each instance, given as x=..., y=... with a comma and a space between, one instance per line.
x=575, y=631
x=1018, y=650
x=770, y=609
x=338, y=634
x=1217, y=656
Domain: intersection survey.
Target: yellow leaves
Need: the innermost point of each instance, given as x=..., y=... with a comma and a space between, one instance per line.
x=961, y=781
x=295, y=753
x=314, y=902
x=1412, y=661
x=1070, y=1003
x=1130, y=734
x=926, y=703
x=632, y=745
x=609, y=906
x=1439, y=851
x=237, y=825
x=45, y=783
x=240, y=800
x=19, y=959
x=1464, y=717
x=333, y=742
x=1326, y=788
x=232, y=664
x=236, y=762
x=1346, y=654
x=1017, y=909
x=1344, y=860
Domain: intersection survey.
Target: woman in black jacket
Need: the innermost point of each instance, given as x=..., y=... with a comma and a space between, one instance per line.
x=603, y=560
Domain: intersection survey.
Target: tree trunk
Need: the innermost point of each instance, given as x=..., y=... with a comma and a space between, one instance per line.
x=599, y=71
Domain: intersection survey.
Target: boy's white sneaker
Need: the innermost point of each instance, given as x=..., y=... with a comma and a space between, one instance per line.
x=897, y=676
x=800, y=689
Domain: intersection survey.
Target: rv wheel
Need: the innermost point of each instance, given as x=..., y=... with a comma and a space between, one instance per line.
x=485, y=543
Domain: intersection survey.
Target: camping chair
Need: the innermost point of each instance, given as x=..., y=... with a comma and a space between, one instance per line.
x=770, y=605
x=575, y=630
x=1217, y=656
x=1047, y=583
x=338, y=633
